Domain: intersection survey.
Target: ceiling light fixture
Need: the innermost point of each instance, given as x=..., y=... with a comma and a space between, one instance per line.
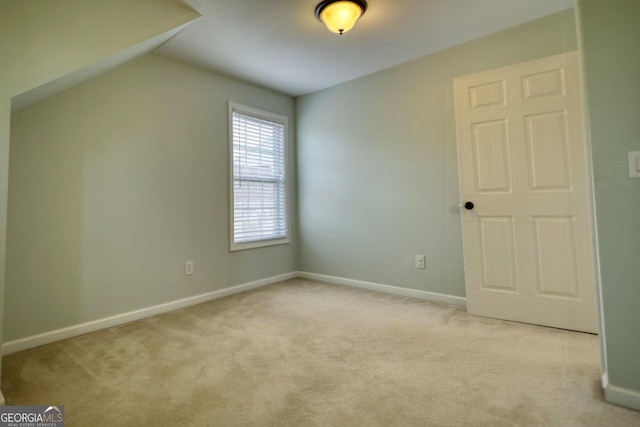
x=340, y=15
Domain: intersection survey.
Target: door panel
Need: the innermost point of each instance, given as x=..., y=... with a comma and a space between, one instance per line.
x=487, y=95
x=498, y=254
x=544, y=85
x=521, y=156
x=546, y=136
x=555, y=247
x=491, y=156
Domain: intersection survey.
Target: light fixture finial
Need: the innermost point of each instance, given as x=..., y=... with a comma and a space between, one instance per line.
x=340, y=16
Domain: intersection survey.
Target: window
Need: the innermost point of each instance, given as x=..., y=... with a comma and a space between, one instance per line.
x=259, y=203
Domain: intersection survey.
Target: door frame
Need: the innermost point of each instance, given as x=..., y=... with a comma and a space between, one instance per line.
x=602, y=342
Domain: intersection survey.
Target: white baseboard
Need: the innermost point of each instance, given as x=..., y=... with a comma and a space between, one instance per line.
x=388, y=289
x=108, y=322
x=613, y=394
x=620, y=396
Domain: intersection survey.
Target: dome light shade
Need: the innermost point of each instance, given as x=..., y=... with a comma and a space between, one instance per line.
x=340, y=15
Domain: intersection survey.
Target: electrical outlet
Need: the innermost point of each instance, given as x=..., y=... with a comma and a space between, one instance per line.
x=420, y=262
x=188, y=268
x=634, y=164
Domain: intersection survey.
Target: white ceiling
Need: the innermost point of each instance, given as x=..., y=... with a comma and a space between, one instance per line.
x=281, y=45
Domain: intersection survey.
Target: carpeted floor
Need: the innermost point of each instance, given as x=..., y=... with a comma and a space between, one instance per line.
x=303, y=353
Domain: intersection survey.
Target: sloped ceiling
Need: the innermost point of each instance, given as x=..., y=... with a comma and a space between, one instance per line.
x=32, y=97
x=49, y=46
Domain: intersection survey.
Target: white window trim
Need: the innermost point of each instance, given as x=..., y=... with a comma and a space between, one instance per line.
x=272, y=117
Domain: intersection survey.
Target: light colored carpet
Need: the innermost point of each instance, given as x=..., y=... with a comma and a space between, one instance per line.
x=302, y=353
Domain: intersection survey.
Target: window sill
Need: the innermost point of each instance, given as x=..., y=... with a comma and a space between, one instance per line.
x=258, y=244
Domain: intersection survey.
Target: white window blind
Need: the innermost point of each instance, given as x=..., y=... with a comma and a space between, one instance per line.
x=259, y=190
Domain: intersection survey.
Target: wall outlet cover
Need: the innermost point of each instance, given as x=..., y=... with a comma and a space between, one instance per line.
x=634, y=164
x=188, y=268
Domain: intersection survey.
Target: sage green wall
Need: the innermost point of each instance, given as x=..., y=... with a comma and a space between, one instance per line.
x=117, y=182
x=377, y=162
x=41, y=41
x=611, y=33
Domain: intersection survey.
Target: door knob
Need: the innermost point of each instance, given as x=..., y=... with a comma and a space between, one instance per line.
x=469, y=205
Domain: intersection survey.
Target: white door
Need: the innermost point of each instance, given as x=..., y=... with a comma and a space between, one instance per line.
x=528, y=250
